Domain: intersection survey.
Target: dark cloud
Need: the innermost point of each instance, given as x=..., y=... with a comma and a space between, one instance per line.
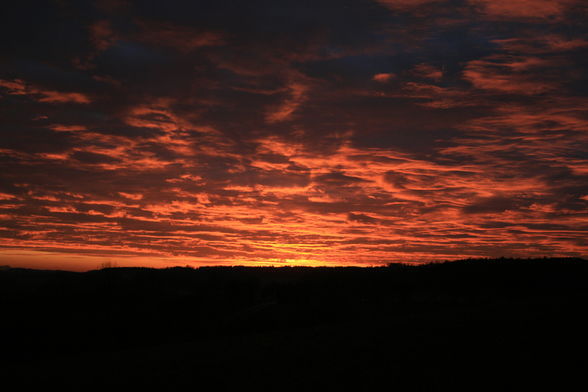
x=338, y=178
x=496, y=204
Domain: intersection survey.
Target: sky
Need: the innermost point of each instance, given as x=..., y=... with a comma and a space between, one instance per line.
x=291, y=132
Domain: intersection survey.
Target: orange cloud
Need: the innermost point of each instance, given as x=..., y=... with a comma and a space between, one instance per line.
x=297, y=95
x=428, y=71
x=61, y=97
x=507, y=74
x=68, y=128
x=19, y=87
x=522, y=8
x=15, y=86
x=383, y=77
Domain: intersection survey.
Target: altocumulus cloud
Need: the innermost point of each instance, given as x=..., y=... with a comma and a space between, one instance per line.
x=269, y=132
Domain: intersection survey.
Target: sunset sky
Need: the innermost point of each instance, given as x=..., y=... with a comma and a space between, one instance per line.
x=292, y=132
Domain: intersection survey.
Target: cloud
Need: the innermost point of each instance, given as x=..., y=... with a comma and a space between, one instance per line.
x=522, y=8
x=183, y=39
x=509, y=75
x=356, y=133
x=59, y=97
x=382, y=77
x=338, y=178
x=495, y=204
x=19, y=87
x=102, y=35
x=296, y=96
x=428, y=71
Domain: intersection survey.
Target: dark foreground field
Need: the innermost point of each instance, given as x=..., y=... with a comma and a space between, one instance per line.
x=479, y=324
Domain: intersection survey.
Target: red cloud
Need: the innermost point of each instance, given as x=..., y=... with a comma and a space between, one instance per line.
x=522, y=8
x=183, y=39
x=297, y=95
x=19, y=87
x=508, y=74
x=428, y=71
x=61, y=97
x=383, y=77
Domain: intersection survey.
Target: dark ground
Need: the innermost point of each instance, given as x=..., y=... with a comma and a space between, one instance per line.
x=473, y=324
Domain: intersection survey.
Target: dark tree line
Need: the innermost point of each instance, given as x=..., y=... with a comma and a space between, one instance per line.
x=414, y=324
